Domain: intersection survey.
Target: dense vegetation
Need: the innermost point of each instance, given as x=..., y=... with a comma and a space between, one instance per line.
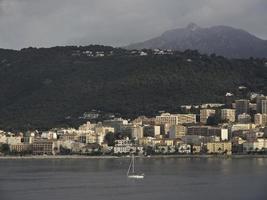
x=44, y=88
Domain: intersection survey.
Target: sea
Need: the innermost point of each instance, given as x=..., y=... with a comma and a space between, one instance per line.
x=105, y=179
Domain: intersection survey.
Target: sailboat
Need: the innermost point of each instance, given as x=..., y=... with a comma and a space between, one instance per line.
x=131, y=173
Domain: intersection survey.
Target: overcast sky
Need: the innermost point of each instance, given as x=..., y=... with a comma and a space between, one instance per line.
x=45, y=23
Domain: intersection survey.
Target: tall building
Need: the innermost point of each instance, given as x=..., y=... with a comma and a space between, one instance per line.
x=264, y=106
x=242, y=106
x=205, y=114
x=259, y=99
x=177, y=131
x=137, y=132
x=228, y=115
x=260, y=119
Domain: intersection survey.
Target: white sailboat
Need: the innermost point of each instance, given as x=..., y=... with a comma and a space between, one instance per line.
x=131, y=173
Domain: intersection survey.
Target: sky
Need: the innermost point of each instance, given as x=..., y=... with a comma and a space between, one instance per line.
x=46, y=23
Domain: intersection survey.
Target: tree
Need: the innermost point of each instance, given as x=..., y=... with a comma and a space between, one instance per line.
x=163, y=150
x=212, y=120
x=110, y=139
x=4, y=148
x=149, y=150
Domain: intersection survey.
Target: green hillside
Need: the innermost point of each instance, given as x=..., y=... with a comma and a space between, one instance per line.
x=40, y=87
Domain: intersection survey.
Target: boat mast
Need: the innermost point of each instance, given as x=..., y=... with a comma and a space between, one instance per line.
x=133, y=164
x=129, y=168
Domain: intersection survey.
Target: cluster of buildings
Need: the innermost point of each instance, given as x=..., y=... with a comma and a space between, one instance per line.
x=239, y=126
x=152, y=52
x=91, y=53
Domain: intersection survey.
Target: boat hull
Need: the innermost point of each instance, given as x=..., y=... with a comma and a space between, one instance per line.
x=136, y=176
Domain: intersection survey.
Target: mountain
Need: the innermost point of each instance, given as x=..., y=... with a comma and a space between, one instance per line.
x=221, y=40
x=52, y=87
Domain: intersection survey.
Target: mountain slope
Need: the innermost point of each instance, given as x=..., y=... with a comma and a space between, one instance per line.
x=40, y=88
x=221, y=40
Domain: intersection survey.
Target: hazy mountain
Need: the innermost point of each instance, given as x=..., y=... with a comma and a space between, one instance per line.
x=221, y=40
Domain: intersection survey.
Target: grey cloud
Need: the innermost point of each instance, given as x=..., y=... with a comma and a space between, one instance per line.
x=118, y=22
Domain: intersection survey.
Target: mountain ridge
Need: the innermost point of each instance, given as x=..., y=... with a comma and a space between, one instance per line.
x=221, y=40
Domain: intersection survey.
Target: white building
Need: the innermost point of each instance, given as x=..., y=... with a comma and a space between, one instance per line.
x=257, y=145
x=125, y=146
x=184, y=148
x=137, y=132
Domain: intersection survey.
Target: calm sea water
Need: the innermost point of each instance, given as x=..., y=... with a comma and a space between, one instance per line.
x=168, y=178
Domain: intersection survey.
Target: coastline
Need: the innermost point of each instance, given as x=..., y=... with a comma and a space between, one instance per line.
x=125, y=157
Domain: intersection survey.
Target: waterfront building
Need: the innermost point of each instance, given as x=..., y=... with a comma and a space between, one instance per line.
x=196, y=149
x=92, y=138
x=125, y=146
x=193, y=139
x=237, y=144
x=220, y=147
x=253, y=135
x=43, y=147
x=20, y=148
x=11, y=139
x=146, y=141
x=184, y=148
x=257, y=145
x=205, y=114
x=163, y=142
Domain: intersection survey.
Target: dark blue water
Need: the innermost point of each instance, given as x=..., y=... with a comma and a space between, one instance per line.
x=168, y=178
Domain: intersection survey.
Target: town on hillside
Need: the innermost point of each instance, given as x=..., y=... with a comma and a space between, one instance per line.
x=238, y=126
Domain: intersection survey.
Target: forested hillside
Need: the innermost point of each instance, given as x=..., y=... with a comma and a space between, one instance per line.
x=44, y=88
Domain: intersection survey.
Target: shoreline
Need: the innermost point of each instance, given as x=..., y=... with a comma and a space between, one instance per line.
x=125, y=157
